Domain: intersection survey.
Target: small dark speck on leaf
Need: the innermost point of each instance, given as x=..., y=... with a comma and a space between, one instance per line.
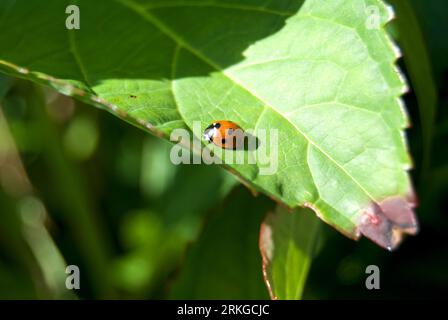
x=132, y=96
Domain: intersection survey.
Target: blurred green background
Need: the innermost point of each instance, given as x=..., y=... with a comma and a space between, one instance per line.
x=80, y=187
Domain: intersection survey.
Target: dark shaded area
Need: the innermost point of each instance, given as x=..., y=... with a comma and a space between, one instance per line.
x=157, y=32
x=232, y=230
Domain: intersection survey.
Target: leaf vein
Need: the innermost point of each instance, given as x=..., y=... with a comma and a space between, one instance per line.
x=175, y=37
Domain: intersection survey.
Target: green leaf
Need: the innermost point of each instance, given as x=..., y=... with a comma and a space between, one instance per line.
x=316, y=71
x=226, y=254
x=287, y=244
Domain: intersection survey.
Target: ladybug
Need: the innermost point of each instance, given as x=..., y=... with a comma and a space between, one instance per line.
x=225, y=134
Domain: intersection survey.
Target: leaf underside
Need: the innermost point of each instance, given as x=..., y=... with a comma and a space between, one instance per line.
x=315, y=70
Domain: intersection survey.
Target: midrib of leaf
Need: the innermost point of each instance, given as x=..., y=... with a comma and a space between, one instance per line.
x=146, y=14
x=73, y=48
x=174, y=65
x=75, y=53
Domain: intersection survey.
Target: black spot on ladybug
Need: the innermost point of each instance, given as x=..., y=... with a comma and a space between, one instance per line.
x=217, y=125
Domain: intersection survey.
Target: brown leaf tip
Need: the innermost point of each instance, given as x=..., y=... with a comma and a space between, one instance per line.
x=386, y=222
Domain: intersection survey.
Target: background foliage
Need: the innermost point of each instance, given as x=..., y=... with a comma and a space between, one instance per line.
x=82, y=187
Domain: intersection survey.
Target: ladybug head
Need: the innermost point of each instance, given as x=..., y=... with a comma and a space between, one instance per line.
x=210, y=132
